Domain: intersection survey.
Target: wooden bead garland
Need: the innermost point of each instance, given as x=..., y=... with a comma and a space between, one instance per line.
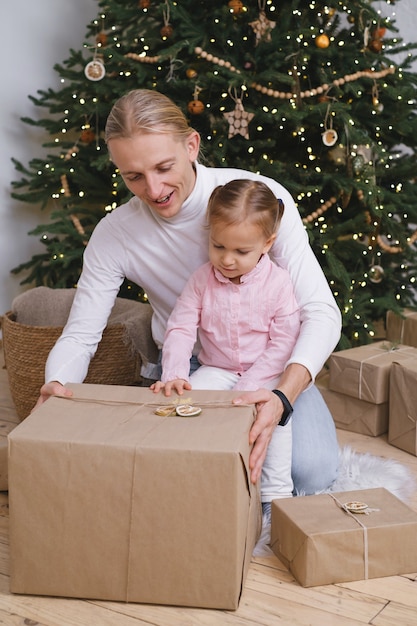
x=273, y=93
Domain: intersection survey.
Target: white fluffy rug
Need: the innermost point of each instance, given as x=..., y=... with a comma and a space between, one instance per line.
x=357, y=471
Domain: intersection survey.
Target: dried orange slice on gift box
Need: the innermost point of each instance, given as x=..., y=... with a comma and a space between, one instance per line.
x=356, y=507
x=188, y=410
x=183, y=410
x=164, y=411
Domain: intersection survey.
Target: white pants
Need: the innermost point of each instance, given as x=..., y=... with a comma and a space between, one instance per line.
x=276, y=480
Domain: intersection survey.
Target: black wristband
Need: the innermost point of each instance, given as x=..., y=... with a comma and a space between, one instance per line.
x=288, y=410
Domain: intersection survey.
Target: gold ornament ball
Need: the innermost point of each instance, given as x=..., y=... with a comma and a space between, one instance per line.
x=337, y=155
x=195, y=107
x=236, y=6
x=191, y=73
x=322, y=41
x=376, y=274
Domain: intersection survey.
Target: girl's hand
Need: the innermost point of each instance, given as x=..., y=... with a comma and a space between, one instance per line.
x=179, y=385
x=157, y=386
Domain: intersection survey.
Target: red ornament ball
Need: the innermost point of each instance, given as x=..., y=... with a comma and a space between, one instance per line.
x=379, y=32
x=375, y=45
x=144, y=4
x=236, y=6
x=195, y=107
x=101, y=39
x=166, y=31
x=87, y=135
x=322, y=41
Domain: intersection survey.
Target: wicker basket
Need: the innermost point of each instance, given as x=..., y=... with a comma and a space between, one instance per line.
x=26, y=349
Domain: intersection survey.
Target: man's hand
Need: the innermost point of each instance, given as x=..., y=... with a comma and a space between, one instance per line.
x=178, y=385
x=51, y=389
x=269, y=411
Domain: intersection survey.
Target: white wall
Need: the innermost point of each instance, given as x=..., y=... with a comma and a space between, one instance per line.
x=35, y=36
x=405, y=16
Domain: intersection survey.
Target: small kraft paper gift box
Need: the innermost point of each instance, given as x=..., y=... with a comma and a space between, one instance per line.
x=363, y=372
x=109, y=500
x=402, y=328
x=355, y=415
x=402, y=431
x=345, y=536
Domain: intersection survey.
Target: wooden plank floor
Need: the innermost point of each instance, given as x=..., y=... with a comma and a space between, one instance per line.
x=271, y=595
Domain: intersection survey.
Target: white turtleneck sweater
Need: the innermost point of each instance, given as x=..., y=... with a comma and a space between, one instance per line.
x=160, y=254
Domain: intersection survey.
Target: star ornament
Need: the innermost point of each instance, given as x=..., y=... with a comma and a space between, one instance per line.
x=238, y=120
x=262, y=28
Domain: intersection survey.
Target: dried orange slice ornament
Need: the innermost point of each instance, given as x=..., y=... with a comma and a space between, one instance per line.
x=356, y=507
x=188, y=410
x=165, y=411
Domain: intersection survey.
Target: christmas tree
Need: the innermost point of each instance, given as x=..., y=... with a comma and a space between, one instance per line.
x=306, y=92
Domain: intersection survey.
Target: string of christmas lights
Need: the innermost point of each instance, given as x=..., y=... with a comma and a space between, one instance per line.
x=321, y=89
x=371, y=246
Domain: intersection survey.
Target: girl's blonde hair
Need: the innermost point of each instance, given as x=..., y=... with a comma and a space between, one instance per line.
x=243, y=199
x=147, y=111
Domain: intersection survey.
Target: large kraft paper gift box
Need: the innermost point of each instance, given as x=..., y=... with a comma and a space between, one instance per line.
x=402, y=328
x=322, y=543
x=110, y=501
x=357, y=416
x=402, y=431
x=363, y=372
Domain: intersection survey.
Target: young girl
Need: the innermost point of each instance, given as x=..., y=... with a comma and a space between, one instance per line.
x=244, y=309
x=157, y=239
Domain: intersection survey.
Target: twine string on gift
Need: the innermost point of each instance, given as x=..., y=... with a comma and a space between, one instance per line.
x=369, y=358
x=174, y=405
x=386, y=347
x=402, y=331
x=205, y=405
x=365, y=533
x=411, y=316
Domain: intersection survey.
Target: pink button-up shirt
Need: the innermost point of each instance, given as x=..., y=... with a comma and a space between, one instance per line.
x=248, y=328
